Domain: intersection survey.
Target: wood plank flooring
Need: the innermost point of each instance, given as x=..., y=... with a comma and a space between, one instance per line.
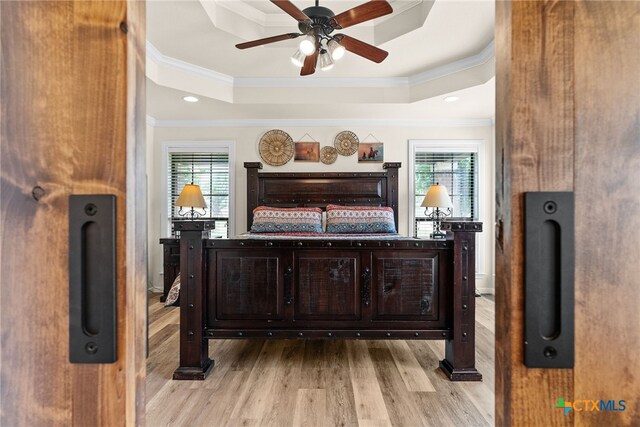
x=317, y=383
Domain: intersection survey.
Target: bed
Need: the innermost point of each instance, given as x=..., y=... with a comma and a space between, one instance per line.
x=327, y=287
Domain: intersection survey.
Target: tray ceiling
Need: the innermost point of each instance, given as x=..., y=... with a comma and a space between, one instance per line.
x=435, y=48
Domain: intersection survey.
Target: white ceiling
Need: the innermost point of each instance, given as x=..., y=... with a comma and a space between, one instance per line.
x=435, y=48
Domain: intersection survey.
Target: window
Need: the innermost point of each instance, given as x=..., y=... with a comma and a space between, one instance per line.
x=208, y=165
x=454, y=165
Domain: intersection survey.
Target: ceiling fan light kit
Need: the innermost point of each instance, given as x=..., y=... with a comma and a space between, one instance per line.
x=308, y=44
x=298, y=58
x=336, y=49
x=326, y=63
x=319, y=46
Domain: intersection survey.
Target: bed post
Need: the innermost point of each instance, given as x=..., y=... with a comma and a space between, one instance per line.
x=252, y=189
x=392, y=187
x=459, y=359
x=194, y=347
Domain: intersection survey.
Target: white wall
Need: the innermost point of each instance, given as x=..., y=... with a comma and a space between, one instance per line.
x=396, y=144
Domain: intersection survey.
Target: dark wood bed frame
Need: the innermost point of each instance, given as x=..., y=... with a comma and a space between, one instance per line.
x=326, y=288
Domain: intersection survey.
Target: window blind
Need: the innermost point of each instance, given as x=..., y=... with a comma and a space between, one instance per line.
x=211, y=172
x=457, y=171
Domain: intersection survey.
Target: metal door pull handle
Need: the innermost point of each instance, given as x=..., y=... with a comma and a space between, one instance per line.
x=92, y=279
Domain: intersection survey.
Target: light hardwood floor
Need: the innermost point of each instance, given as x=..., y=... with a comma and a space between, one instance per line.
x=317, y=383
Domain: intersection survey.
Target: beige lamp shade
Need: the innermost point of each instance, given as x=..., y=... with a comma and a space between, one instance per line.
x=437, y=197
x=191, y=196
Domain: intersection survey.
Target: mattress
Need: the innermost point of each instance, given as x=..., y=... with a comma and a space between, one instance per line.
x=326, y=236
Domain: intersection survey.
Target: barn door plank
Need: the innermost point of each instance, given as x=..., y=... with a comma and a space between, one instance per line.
x=607, y=183
x=563, y=68
x=72, y=123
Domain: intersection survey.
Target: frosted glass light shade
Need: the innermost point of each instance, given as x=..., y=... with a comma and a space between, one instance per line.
x=336, y=49
x=298, y=58
x=191, y=196
x=308, y=44
x=326, y=63
x=437, y=197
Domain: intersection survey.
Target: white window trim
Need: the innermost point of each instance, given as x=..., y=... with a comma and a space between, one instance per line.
x=168, y=147
x=444, y=146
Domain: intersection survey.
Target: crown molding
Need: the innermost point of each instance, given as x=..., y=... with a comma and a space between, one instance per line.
x=160, y=59
x=321, y=82
x=487, y=54
x=271, y=123
x=481, y=58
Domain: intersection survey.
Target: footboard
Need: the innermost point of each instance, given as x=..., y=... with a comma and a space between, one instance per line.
x=328, y=289
x=304, y=289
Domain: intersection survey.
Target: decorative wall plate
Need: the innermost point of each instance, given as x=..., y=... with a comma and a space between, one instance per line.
x=328, y=155
x=276, y=147
x=346, y=143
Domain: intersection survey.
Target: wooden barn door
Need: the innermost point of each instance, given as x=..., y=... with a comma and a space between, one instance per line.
x=568, y=119
x=72, y=123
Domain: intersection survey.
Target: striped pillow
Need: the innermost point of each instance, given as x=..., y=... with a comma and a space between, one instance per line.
x=286, y=220
x=360, y=219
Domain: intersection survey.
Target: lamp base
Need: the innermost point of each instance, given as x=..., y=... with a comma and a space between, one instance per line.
x=191, y=214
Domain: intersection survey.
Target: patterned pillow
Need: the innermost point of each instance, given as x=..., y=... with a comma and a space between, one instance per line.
x=174, y=292
x=360, y=219
x=286, y=220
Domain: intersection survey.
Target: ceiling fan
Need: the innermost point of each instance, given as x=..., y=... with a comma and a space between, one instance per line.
x=316, y=25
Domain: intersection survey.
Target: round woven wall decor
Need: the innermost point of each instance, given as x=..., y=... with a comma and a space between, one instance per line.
x=328, y=155
x=276, y=147
x=346, y=143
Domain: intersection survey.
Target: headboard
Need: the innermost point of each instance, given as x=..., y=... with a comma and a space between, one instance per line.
x=318, y=189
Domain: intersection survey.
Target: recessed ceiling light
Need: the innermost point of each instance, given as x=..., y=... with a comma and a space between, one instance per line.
x=190, y=98
x=451, y=99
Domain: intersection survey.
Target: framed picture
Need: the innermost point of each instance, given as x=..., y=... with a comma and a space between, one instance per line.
x=370, y=152
x=307, y=152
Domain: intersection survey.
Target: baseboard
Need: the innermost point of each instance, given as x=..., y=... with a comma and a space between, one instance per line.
x=485, y=283
x=154, y=289
x=156, y=285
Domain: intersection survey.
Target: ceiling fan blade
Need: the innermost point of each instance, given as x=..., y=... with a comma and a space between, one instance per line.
x=361, y=48
x=309, y=66
x=292, y=10
x=267, y=40
x=365, y=12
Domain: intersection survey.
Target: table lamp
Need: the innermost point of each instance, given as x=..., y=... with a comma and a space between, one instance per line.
x=438, y=199
x=191, y=197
